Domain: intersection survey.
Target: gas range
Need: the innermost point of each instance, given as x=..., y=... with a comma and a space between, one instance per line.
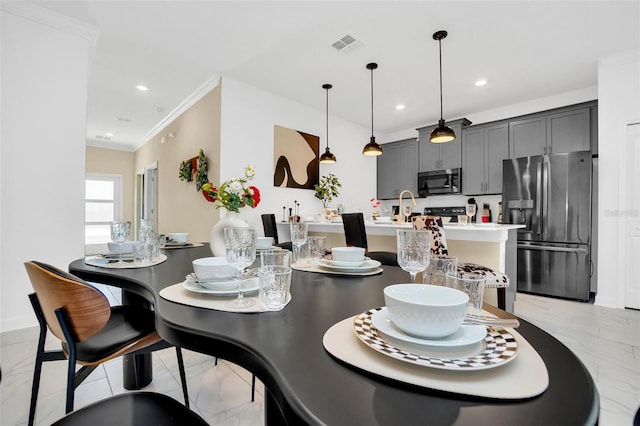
x=451, y=212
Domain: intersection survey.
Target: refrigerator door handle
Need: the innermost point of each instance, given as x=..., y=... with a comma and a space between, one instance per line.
x=538, y=214
x=552, y=248
x=545, y=195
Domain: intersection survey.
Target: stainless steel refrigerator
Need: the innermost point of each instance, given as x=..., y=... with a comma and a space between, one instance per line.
x=551, y=196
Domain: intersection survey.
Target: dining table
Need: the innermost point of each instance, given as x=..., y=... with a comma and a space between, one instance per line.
x=306, y=384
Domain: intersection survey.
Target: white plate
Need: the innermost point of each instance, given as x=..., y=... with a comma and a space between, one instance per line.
x=247, y=286
x=343, y=263
x=177, y=244
x=466, y=335
x=497, y=348
x=365, y=266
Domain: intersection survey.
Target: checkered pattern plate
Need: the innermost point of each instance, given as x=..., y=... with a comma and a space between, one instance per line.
x=496, y=349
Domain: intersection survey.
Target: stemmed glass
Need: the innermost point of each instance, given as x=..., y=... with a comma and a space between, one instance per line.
x=471, y=210
x=119, y=234
x=413, y=251
x=407, y=213
x=240, y=249
x=299, y=233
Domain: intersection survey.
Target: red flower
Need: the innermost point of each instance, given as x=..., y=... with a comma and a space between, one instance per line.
x=256, y=196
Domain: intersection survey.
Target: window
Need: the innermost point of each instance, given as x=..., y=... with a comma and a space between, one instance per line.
x=103, y=205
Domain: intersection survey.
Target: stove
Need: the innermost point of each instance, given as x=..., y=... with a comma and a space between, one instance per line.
x=451, y=212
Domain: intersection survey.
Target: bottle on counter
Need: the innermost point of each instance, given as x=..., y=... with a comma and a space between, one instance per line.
x=500, y=212
x=486, y=213
x=474, y=217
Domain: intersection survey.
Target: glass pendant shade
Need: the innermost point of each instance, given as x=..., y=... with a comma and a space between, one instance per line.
x=442, y=133
x=372, y=149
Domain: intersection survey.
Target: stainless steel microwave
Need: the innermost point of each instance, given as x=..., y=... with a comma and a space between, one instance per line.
x=439, y=182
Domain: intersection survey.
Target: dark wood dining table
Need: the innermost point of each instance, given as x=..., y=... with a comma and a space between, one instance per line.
x=306, y=385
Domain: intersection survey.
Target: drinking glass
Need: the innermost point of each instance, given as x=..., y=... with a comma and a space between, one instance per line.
x=413, y=250
x=318, y=247
x=471, y=210
x=298, y=238
x=439, y=267
x=472, y=285
x=119, y=234
x=275, y=258
x=240, y=249
x=407, y=213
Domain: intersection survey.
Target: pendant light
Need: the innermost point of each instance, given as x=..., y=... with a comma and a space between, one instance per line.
x=441, y=133
x=327, y=157
x=373, y=148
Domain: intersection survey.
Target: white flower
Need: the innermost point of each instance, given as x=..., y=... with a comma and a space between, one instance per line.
x=250, y=171
x=235, y=187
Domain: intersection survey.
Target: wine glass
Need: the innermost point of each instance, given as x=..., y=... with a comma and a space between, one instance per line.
x=471, y=210
x=407, y=213
x=299, y=233
x=240, y=249
x=413, y=250
x=119, y=234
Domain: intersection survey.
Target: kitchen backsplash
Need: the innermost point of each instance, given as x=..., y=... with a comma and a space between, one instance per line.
x=448, y=201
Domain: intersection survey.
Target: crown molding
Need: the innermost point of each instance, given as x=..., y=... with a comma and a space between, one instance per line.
x=53, y=19
x=200, y=92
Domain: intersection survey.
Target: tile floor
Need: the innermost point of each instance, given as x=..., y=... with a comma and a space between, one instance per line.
x=606, y=340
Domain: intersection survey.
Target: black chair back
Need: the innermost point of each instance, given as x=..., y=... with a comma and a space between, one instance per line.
x=355, y=234
x=269, y=225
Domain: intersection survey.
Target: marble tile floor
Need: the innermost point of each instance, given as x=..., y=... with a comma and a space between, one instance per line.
x=606, y=340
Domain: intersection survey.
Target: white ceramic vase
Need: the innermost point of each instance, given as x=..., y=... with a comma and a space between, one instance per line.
x=217, y=232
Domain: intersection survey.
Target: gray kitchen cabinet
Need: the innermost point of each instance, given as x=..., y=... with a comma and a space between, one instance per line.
x=440, y=156
x=483, y=149
x=397, y=169
x=566, y=130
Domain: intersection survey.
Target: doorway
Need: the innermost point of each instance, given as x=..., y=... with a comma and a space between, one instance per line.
x=147, y=195
x=631, y=217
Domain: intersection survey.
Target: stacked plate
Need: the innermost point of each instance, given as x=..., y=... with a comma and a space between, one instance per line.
x=472, y=347
x=220, y=287
x=364, y=265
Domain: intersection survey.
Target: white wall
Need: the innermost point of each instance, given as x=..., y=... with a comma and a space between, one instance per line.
x=248, y=117
x=618, y=105
x=45, y=60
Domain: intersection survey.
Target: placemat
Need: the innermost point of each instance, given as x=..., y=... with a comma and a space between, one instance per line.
x=524, y=377
x=113, y=263
x=190, y=245
x=177, y=293
x=321, y=270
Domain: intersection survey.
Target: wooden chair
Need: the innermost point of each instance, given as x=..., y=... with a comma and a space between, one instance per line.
x=355, y=235
x=90, y=330
x=434, y=224
x=271, y=230
x=133, y=409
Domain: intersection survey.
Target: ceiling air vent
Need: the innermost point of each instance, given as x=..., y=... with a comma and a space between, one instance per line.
x=346, y=43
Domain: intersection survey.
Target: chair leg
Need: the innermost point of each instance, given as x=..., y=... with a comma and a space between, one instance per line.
x=183, y=376
x=253, y=387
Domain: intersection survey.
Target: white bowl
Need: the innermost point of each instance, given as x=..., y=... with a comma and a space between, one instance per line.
x=427, y=311
x=264, y=242
x=178, y=237
x=127, y=247
x=348, y=254
x=213, y=268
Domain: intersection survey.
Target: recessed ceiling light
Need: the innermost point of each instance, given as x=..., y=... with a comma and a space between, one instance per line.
x=109, y=135
x=399, y=107
x=142, y=87
x=481, y=82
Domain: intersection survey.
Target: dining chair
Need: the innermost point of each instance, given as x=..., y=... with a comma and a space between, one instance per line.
x=271, y=230
x=434, y=224
x=90, y=330
x=133, y=409
x=355, y=235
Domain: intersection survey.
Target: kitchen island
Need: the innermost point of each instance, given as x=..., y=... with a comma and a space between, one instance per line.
x=487, y=244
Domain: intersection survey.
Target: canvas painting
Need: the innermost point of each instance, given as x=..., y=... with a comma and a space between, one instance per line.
x=295, y=158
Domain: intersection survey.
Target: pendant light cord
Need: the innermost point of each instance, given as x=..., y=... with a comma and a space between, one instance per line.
x=440, y=56
x=327, y=89
x=372, y=102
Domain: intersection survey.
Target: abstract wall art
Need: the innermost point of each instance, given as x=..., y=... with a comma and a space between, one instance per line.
x=295, y=158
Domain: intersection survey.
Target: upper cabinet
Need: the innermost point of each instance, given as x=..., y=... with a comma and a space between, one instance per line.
x=567, y=130
x=440, y=156
x=483, y=149
x=397, y=169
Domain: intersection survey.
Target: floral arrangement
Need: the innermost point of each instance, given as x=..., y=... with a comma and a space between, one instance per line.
x=375, y=203
x=327, y=189
x=233, y=194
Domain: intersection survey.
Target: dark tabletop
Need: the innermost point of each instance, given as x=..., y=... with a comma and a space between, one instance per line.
x=284, y=349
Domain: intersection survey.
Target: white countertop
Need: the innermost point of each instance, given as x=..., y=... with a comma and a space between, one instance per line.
x=490, y=232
